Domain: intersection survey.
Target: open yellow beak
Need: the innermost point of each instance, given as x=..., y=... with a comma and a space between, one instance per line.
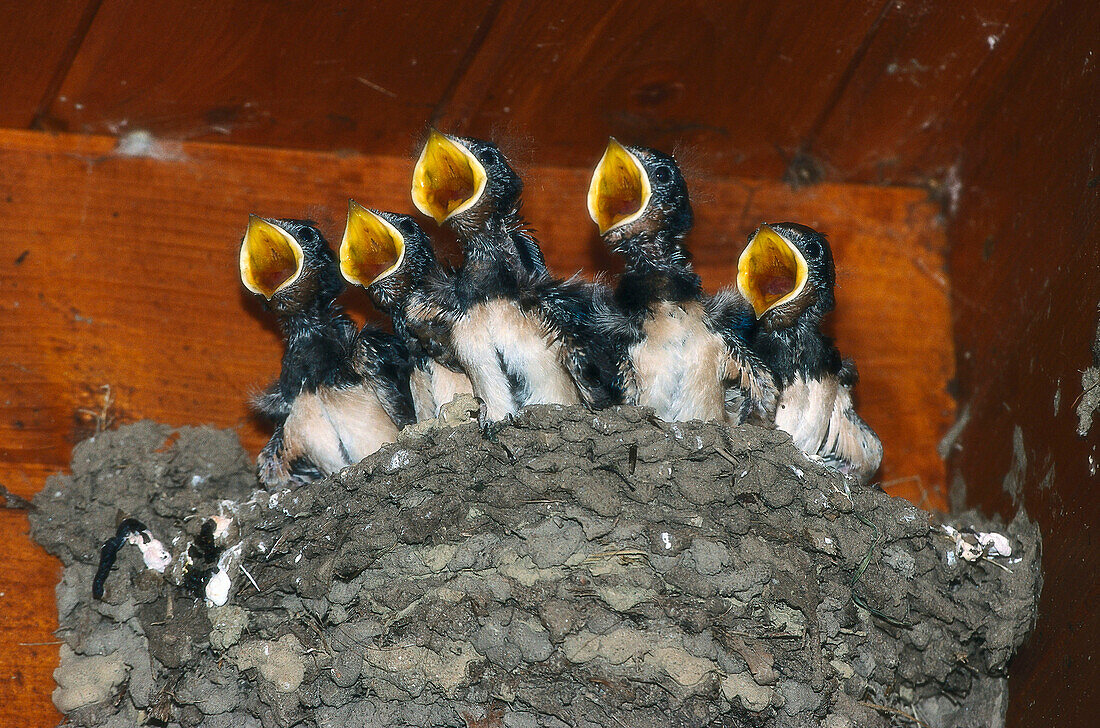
x=448, y=179
x=770, y=271
x=371, y=249
x=620, y=189
x=271, y=259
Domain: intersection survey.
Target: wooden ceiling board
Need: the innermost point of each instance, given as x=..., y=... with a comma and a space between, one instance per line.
x=926, y=75
x=37, y=42
x=1026, y=275
x=742, y=87
x=330, y=74
x=841, y=90
x=738, y=85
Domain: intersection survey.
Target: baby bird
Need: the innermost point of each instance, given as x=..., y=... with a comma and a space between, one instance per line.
x=787, y=273
x=389, y=255
x=341, y=393
x=686, y=353
x=469, y=185
x=522, y=336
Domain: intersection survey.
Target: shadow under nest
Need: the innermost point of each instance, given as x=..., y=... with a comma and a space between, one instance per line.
x=574, y=569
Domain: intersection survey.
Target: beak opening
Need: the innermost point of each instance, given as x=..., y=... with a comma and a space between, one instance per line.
x=770, y=271
x=271, y=259
x=620, y=189
x=448, y=179
x=371, y=249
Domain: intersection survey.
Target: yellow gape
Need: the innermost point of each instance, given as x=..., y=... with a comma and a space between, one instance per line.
x=271, y=259
x=372, y=248
x=448, y=179
x=620, y=190
x=770, y=271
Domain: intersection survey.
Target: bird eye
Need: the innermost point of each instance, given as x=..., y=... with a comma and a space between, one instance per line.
x=407, y=227
x=662, y=174
x=813, y=249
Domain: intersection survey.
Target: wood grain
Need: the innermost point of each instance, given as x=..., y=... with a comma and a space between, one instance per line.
x=918, y=90
x=1026, y=265
x=120, y=271
x=741, y=83
x=872, y=90
x=28, y=647
x=320, y=75
x=37, y=42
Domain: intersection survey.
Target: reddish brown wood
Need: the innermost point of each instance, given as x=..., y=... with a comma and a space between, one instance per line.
x=37, y=41
x=328, y=76
x=322, y=75
x=1026, y=265
x=741, y=83
x=745, y=86
x=873, y=90
x=126, y=278
x=927, y=74
x=121, y=271
x=28, y=647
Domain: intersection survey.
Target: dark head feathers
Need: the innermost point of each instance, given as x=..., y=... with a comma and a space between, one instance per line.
x=319, y=283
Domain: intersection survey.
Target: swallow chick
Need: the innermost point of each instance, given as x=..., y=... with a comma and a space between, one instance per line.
x=786, y=272
x=522, y=336
x=392, y=258
x=342, y=393
x=469, y=185
x=686, y=353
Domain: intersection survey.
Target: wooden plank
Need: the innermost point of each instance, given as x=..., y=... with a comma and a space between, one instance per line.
x=320, y=75
x=1026, y=265
x=28, y=647
x=876, y=91
x=121, y=271
x=925, y=77
x=37, y=41
x=742, y=83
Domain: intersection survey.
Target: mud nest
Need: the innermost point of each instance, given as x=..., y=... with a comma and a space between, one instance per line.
x=573, y=569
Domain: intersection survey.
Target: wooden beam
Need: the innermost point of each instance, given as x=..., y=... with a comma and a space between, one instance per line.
x=1026, y=267
x=873, y=91
x=920, y=88
x=740, y=83
x=120, y=272
x=38, y=41
x=319, y=75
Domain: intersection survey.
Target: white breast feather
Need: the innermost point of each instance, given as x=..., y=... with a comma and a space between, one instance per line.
x=527, y=348
x=446, y=385
x=326, y=424
x=677, y=365
x=823, y=423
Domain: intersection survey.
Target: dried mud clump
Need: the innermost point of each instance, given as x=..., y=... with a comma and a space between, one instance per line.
x=570, y=569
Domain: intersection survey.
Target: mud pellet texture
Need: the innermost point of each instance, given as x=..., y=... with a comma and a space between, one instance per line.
x=571, y=569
